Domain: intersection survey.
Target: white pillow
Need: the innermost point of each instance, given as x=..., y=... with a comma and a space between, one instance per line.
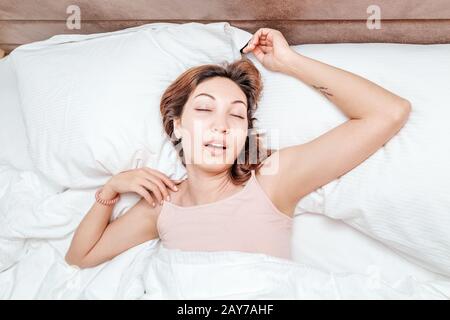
x=13, y=137
x=400, y=195
x=91, y=102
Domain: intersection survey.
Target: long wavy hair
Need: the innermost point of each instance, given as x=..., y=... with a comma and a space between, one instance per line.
x=244, y=73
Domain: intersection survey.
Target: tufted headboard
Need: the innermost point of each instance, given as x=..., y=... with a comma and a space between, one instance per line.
x=301, y=21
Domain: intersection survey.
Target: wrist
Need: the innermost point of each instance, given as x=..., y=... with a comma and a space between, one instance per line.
x=107, y=193
x=290, y=61
x=104, y=197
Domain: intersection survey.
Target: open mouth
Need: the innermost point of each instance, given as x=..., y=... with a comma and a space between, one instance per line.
x=215, y=149
x=216, y=146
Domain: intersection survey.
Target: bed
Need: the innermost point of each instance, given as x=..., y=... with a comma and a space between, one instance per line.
x=379, y=232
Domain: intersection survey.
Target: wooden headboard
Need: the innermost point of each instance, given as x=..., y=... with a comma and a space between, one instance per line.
x=301, y=21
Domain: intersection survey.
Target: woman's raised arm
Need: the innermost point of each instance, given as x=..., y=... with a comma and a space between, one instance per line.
x=375, y=116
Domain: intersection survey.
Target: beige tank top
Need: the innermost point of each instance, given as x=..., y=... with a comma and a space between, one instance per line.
x=245, y=221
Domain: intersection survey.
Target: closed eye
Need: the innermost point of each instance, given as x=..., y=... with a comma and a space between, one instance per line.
x=234, y=115
x=203, y=109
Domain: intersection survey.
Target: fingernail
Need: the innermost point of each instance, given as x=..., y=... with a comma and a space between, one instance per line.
x=154, y=204
x=176, y=189
x=168, y=198
x=161, y=202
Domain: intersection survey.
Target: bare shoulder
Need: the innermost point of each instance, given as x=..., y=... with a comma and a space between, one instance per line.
x=141, y=216
x=141, y=213
x=269, y=180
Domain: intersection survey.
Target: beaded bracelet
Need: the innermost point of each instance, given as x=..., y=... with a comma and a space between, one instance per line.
x=106, y=202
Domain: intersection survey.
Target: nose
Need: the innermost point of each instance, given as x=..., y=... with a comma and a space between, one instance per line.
x=221, y=130
x=220, y=126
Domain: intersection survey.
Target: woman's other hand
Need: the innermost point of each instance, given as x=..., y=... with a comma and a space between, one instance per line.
x=149, y=183
x=270, y=48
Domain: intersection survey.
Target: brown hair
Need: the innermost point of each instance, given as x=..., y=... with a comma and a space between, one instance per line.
x=244, y=73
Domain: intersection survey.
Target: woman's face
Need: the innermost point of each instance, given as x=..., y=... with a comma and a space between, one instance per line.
x=214, y=124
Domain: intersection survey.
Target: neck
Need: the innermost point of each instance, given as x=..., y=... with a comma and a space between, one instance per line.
x=203, y=187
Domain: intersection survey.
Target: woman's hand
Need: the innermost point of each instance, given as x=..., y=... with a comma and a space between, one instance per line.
x=149, y=183
x=270, y=48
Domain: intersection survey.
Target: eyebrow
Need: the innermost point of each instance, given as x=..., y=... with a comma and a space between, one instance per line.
x=208, y=95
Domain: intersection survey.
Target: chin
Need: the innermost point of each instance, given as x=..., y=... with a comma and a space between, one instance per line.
x=215, y=168
x=210, y=166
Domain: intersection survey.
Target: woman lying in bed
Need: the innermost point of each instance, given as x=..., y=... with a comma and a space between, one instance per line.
x=237, y=196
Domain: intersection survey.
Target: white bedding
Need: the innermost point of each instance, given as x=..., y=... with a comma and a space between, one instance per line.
x=11, y=121
x=37, y=221
x=37, y=225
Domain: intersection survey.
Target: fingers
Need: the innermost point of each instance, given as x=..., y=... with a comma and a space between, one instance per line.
x=259, y=53
x=261, y=37
x=261, y=33
x=157, y=183
x=263, y=41
x=150, y=184
x=163, y=177
x=162, y=188
x=146, y=189
x=156, y=188
x=144, y=193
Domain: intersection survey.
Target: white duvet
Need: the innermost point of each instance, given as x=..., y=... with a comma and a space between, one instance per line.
x=37, y=224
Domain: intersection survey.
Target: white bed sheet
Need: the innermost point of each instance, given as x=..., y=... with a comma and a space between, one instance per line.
x=37, y=224
x=332, y=261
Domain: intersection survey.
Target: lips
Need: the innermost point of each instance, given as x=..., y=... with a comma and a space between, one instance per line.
x=216, y=144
